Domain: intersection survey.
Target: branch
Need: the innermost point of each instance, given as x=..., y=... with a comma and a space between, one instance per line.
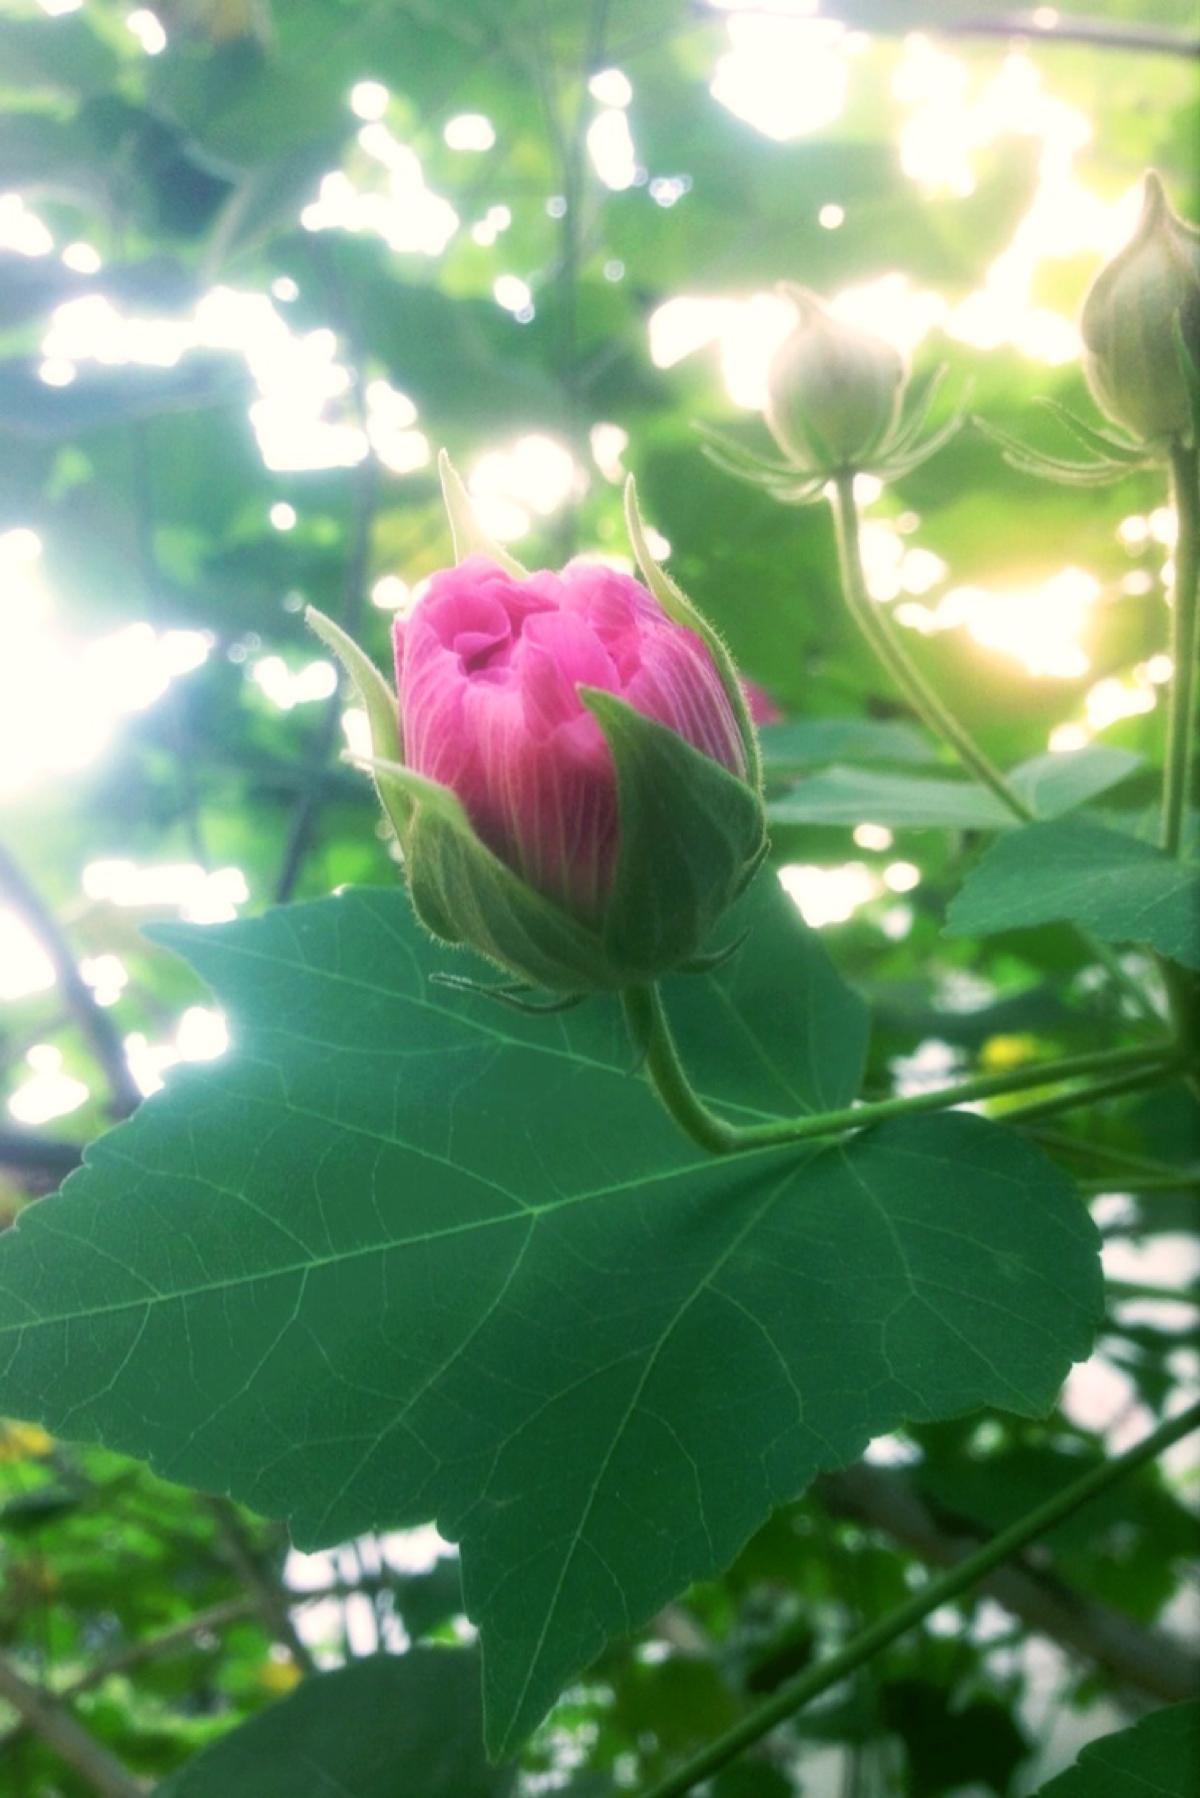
x=95, y=1023
x=27, y=1153
x=940, y=1589
x=1062, y=28
x=1135, y=1656
x=46, y=1717
x=271, y=1600
x=364, y=498
x=1100, y=34
x=217, y=1616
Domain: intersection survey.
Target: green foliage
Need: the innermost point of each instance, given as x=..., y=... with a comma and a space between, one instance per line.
x=1121, y=888
x=386, y=1727
x=517, y=1308
x=1159, y=1756
x=1048, y=784
x=404, y=1254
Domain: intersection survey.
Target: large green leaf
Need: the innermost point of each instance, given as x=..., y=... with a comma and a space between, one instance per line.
x=862, y=795
x=1057, y=782
x=405, y=1254
x=1049, y=784
x=1158, y=1758
x=391, y=1726
x=804, y=742
x=1121, y=889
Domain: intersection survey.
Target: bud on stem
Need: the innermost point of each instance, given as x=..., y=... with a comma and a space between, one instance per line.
x=1141, y=326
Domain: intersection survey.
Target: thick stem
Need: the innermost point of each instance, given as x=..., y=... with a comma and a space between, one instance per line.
x=652, y=1038
x=1042, y=1598
x=1116, y=1088
x=869, y=1642
x=1181, y=717
x=651, y=1033
x=46, y=1717
x=877, y=630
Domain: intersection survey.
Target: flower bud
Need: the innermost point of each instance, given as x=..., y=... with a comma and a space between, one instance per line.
x=579, y=806
x=833, y=391
x=1133, y=311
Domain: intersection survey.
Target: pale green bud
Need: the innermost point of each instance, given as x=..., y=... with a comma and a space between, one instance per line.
x=1138, y=309
x=834, y=391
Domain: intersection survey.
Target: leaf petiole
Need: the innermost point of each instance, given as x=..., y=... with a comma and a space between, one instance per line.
x=652, y=1037
x=800, y=1691
x=1181, y=720
x=876, y=628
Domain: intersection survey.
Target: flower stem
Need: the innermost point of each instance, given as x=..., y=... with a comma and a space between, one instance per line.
x=1181, y=718
x=800, y=1691
x=877, y=629
x=1182, y=984
x=1096, y=1092
x=651, y=1034
x=653, y=1040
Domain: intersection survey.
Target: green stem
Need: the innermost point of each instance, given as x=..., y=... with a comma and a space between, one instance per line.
x=1121, y=1160
x=1183, y=1181
x=1143, y=1289
x=1181, y=716
x=651, y=1034
x=877, y=629
x=1182, y=985
x=800, y=1691
x=1098, y=1092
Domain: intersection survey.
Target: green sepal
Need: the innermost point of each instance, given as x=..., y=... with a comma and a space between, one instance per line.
x=1044, y=466
x=1104, y=443
x=917, y=406
x=780, y=479
x=715, y=959
x=676, y=604
x=1190, y=374
x=382, y=709
x=466, y=895
x=470, y=538
x=906, y=448
x=692, y=837
x=739, y=458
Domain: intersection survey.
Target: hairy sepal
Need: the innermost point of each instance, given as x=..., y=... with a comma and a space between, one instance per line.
x=470, y=538
x=465, y=895
x=676, y=604
x=382, y=709
x=692, y=837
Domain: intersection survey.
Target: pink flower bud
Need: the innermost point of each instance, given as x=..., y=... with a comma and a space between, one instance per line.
x=488, y=670
x=759, y=704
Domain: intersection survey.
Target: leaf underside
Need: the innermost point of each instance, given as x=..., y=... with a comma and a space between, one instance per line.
x=405, y=1255
x=386, y=1726
x=1121, y=889
x=1049, y=784
x=1158, y=1757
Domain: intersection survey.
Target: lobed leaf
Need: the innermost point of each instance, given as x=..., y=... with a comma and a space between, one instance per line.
x=1119, y=888
x=405, y=1255
x=1158, y=1757
x=388, y=1726
x=1050, y=784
